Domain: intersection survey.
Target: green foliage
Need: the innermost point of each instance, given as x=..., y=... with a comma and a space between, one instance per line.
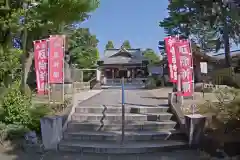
x=36, y=113
x=83, y=48
x=151, y=83
x=11, y=131
x=227, y=108
x=126, y=44
x=109, y=45
x=151, y=56
x=9, y=65
x=16, y=107
x=210, y=24
x=48, y=17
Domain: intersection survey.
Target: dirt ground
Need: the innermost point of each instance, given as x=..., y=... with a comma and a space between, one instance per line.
x=199, y=98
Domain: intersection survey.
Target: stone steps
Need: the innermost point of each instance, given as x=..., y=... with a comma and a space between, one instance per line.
x=118, y=109
x=76, y=126
x=118, y=117
x=115, y=136
x=97, y=129
x=129, y=147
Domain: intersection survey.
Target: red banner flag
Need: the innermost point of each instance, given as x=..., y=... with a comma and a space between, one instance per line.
x=172, y=57
x=41, y=65
x=56, y=59
x=185, y=66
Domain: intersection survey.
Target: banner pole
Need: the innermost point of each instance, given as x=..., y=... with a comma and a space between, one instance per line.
x=190, y=44
x=123, y=112
x=63, y=68
x=49, y=86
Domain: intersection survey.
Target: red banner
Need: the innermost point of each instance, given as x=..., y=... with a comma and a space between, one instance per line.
x=172, y=58
x=56, y=59
x=41, y=65
x=185, y=66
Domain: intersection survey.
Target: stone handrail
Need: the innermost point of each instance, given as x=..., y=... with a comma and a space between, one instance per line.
x=175, y=104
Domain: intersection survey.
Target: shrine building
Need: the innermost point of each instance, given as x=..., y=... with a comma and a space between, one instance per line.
x=123, y=63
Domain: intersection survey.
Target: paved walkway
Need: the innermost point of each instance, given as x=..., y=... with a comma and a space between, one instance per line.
x=180, y=155
x=132, y=97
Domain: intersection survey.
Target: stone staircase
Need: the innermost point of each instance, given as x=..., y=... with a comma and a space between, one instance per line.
x=97, y=129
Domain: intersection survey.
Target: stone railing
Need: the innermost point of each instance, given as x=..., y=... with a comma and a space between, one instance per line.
x=78, y=86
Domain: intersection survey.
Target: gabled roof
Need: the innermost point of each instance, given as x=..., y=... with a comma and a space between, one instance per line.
x=110, y=52
x=122, y=56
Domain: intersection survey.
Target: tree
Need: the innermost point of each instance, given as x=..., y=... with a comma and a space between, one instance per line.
x=19, y=19
x=126, y=44
x=83, y=48
x=211, y=24
x=109, y=45
x=161, y=47
x=151, y=56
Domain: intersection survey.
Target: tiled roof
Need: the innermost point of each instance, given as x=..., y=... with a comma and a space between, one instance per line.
x=111, y=56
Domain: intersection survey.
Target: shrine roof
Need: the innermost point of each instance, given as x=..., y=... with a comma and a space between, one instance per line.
x=123, y=56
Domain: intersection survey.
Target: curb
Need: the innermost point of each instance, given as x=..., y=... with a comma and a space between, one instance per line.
x=73, y=110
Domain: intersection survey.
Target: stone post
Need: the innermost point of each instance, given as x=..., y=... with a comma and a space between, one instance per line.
x=195, y=124
x=112, y=73
x=52, y=132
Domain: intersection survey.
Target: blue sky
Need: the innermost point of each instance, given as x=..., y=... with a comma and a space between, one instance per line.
x=133, y=20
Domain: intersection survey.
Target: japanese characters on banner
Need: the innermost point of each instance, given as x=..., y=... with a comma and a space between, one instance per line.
x=56, y=57
x=172, y=58
x=41, y=65
x=180, y=62
x=185, y=66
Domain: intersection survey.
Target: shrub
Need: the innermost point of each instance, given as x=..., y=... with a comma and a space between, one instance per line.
x=226, y=111
x=15, y=106
x=36, y=113
x=151, y=83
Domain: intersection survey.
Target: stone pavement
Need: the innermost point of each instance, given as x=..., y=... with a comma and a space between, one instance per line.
x=178, y=155
x=113, y=97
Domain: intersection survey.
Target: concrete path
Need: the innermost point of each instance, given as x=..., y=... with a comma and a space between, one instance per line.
x=178, y=155
x=132, y=97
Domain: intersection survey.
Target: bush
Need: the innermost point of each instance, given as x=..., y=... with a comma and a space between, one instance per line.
x=151, y=83
x=18, y=113
x=226, y=111
x=36, y=113
x=15, y=107
x=11, y=131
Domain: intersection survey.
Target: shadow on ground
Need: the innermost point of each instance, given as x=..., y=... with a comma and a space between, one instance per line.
x=20, y=155
x=159, y=98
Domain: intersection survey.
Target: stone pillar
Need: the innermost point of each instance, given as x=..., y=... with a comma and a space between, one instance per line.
x=195, y=124
x=98, y=72
x=52, y=132
x=128, y=73
x=112, y=73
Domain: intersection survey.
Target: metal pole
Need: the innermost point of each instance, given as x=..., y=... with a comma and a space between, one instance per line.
x=49, y=86
x=63, y=47
x=123, y=112
x=190, y=43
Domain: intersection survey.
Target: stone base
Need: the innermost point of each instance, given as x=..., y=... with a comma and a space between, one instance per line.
x=33, y=148
x=128, y=148
x=195, y=124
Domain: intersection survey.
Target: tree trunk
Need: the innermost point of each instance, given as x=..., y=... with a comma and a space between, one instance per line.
x=225, y=35
x=24, y=59
x=226, y=46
